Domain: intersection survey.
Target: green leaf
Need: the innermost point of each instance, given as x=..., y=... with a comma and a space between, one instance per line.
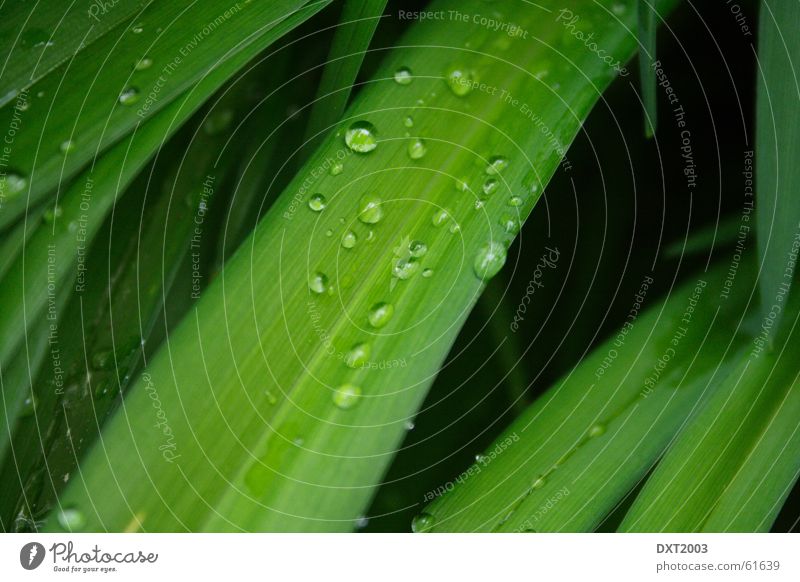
x=565, y=463
x=261, y=426
x=646, y=29
x=729, y=452
x=37, y=37
x=351, y=40
x=100, y=100
x=777, y=151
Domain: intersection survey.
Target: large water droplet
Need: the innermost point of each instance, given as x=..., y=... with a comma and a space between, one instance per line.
x=496, y=165
x=404, y=268
x=417, y=248
x=129, y=96
x=143, y=64
x=71, y=519
x=12, y=184
x=515, y=201
x=380, y=314
x=318, y=283
x=597, y=430
x=370, y=209
x=317, y=202
x=489, y=259
x=361, y=137
x=403, y=76
x=346, y=396
x=358, y=355
x=460, y=80
x=349, y=239
x=539, y=483
x=417, y=149
x=440, y=217
x=422, y=523
x=427, y=273
x=490, y=186
x=509, y=223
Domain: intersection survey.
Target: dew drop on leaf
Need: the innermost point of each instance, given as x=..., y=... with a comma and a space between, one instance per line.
x=489, y=259
x=143, y=64
x=539, y=483
x=358, y=355
x=336, y=169
x=370, y=209
x=440, y=217
x=361, y=137
x=380, y=314
x=460, y=80
x=70, y=519
x=597, y=430
x=427, y=273
x=12, y=184
x=515, y=201
x=346, y=396
x=404, y=268
x=66, y=146
x=490, y=186
x=496, y=165
x=402, y=76
x=422, y=523
x=417, y=248
x=349, y=239
x=129, y=96
x=408, y=121
x=318, y=283
x=317, y=202
x=417, y=149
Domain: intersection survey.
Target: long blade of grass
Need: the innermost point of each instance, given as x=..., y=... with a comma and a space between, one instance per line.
x=37, y=37
x=777, y=150
x=284, y=394
x=101, y=95
x=727, y=452
x=567, y=461
x=351, y=40
x=647, y=27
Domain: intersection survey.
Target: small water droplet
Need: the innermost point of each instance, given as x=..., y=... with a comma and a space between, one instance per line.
x=371, y=237
x=417, y=149
x=417, y=248
x=358, y=355
x=66, y=146
x=509, y=223
x=318, y=283
x=336, y=168
x=137, y=28
x=496, y=165
x=597, y=430
x=427, y=273
x=317, y=202
x=422, y=523
x=36, y=38
x=408, y=121
x=349, y=239
x=29, y=405
x=460, y=80
x=462, y=185
x=143, y=64
x=539, y=483
x=455, y=227
x=490, y=186
x=478, y=204
x=482, y=459
x=129, y=96
x=440, y=217
x=370, y=209
x=361, y=522
x=409, y=425
x=12, y=184
x=380, y=314
x=71, y=519
x=402, y=76
x=489, y=259
x=52, y=213
x=516, y=201
x=346, y=396
x=361, y=137
x=404, y=268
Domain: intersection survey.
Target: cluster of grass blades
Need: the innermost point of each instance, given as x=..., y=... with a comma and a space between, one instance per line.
x=239, y=260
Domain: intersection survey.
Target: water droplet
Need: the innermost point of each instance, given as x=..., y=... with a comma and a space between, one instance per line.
x=597, y=430
x=137, y=28
x=404, y=268
x=52, y=213
x=346, y=396
x=618, y=8
x=427, y=273
x=440, y=217
x=358, y=355
x=380, y=314
x=67, y=146
x=516, y=201
x=462, y=185
x=129, y=96
x=455, y=227
x=370, y=209
x=218, y=121
x=361, y=522
x=509, y=223
x=482, y=459
x=409, y=425
x=489, y=260
x=478, y=204
x=142, y=64
x=299, y=441
x=12, y=184
x=349, y=239
x=422, y=523
x=417, y=248
x=29, y=405
x=71, y=519
x=417, y=149
x=371, y=238
x=460, y=80
x=317, y=202
x=336, y=169
x=496, y=165
x=329, y=233
x=402, y=76
x=539, y=483
x=490, y=186
x=361, y=137
x=318, y=283
x=408, y=121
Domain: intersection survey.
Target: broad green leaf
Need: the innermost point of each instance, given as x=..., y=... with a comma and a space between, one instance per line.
x=566, y=462
x=351, y=40
x=263, y=424
x=89, y=103
x=83, y=207
x=730, y=450
x=777, y=150
x=36, y=37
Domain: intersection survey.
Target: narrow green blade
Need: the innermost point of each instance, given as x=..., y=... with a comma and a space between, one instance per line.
x=646, y=28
